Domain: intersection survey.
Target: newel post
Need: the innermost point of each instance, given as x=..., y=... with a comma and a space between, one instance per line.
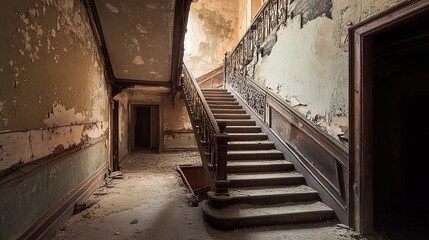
x=221, y=169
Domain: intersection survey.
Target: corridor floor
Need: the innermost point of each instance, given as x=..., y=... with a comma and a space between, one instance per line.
x=151, y=202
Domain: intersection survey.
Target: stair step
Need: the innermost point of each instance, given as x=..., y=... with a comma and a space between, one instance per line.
x=231, y=116
x=247, y=215
x=254, y=179
x=226, y=95
x=248, y=136
x=223, y=99
x=254, y=154
x=228, y=111
x=236, y=122
x=263, y=195
x=222, y=103
x=204, y=90
x=250, y=145
x=214, y=106
x=243, y=129
x=246, y=166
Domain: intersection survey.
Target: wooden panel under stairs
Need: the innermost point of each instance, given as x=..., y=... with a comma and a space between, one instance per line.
x=263, y=187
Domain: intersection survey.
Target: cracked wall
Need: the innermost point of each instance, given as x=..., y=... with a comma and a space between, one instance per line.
x=53, y=101
x=308, y=66
x=211, y=31
x=52, y=88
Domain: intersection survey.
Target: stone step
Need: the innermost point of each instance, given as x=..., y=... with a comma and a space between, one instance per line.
x=206, y=90
x=227, y=95
x=256, y=179
x=254, y=154
x=248, y=215
x=215, y=106
x=237, y=122
x=246, y=166
x=250, y=145
x=228, y=111
x=243, y=129
x=231, y=116
x=222, y=103
x=223, y=99
x=263, y=195
x=248, y=136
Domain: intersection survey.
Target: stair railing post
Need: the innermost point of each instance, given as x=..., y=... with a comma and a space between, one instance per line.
x=224, y=70
x=221, y=168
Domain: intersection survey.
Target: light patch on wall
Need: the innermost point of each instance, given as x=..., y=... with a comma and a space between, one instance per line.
x=138, y=60
x=112, y=8
x=1, y=107
x=136, y=42
x=15, y=149
x=151, y=6
x=141, y=29
x=27, y=146
x=61, y=117
x=4, y=120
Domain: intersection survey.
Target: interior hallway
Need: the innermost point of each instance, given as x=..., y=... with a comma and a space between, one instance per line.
x=153, y=195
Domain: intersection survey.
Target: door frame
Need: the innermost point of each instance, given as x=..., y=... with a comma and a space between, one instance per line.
x=131, y=123
x=115, y=136
x=361, y=105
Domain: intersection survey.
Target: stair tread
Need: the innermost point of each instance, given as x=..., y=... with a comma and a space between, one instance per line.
x=217, y=106
x=256, y=162
x=249, y=142
x=246, y=134
x=231, y=114
x=253, y=151
x=241, y=211
x=272, y=190
x=262, y=175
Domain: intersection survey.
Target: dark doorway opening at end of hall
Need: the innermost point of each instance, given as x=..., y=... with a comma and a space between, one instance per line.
x=146, y=128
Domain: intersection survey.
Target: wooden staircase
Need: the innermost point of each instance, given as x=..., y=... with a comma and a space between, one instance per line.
x=263, y=188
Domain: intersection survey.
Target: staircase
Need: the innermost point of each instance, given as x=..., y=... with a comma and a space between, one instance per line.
x=263, y=188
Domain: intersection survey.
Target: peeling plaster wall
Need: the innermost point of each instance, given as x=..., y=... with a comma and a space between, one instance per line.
x=52, y=90
x=308, y=66
x=178, y=132
x=243, y=23
x=123, y=124
x=211, y=31
x=53, y=98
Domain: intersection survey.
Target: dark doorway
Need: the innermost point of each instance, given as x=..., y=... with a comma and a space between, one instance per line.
x=389, y=94
x=147, y=127
x=401, y=95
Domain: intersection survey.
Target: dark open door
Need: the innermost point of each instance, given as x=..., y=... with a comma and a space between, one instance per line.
x=147, y=127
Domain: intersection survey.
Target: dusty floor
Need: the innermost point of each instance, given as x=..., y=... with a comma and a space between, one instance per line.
x=151, y=202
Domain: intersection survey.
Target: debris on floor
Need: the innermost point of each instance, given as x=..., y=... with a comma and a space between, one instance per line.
x=151, y=202
x=80, y=206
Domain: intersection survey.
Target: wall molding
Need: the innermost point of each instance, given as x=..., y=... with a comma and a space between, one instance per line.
x=46, y=226
x=13, y=176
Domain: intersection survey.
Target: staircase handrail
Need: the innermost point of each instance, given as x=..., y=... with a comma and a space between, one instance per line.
x=211, y=136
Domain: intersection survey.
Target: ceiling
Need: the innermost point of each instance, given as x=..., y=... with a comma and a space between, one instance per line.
x=142, y=39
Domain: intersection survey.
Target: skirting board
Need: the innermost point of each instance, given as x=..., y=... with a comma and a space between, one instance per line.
x=46, y=226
